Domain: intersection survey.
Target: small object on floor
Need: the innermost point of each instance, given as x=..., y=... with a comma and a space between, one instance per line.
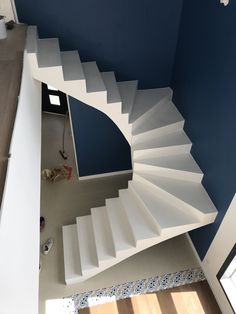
x=57, y=174
x=10, y=25
x=40, y=264
x=42, y=223
x=47, y=246
x=63, y=154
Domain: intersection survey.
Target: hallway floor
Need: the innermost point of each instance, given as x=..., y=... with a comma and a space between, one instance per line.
x=62, y=202
x=196, y=298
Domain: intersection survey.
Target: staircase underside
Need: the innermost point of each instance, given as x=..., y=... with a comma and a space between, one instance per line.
x=165, y=198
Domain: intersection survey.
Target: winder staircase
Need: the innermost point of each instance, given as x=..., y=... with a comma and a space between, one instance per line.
x=165, y=198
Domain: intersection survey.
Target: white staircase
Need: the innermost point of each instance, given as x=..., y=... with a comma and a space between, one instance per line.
x=165, y=198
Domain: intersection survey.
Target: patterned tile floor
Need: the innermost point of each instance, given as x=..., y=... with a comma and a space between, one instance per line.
x=72, y=304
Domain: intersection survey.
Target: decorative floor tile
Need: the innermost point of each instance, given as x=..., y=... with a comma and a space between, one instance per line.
x=134, y=288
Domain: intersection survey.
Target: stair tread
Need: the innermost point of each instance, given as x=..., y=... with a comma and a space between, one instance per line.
x=113, y=94
x=94, y=81
x=146, y=99
x=127, y=91
x=142, y=229
x=87, y=248
x=172, y=139
x=102, y=234
x=166, y=215
x=49, y=53
x=121, y=232
x=182, y=162
x=192, y=193
x=163, y=115
x=71, y=252
x=71, y=66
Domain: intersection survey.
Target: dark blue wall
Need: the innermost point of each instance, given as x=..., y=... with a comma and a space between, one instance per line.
x=204, y=83
x=136, y=39
x=100, y=146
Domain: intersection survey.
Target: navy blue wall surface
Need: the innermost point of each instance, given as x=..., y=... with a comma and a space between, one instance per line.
x=136, y=39
x=100, y=146
x=204, y=83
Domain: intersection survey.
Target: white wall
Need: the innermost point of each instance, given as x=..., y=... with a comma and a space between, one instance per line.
x=217, y=253
x=6, y=9
x=20, y=212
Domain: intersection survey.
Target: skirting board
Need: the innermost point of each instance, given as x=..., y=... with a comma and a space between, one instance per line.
x=108, y=174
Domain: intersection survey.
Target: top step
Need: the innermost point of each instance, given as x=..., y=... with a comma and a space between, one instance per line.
x=127, y=92
x=48, y=53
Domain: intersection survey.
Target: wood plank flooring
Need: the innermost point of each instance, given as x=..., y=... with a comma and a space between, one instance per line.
x=196, y=298
x=11, y=56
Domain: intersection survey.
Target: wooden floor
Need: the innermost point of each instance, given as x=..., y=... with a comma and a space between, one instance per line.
x=11, y=56
x=196, y=298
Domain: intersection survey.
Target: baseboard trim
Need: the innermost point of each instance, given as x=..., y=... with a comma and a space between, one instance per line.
x=108, y=174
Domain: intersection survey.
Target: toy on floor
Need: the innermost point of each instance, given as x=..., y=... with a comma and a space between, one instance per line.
x=57, y=174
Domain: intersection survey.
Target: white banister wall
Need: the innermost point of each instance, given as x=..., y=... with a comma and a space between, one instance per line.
x=20, y=212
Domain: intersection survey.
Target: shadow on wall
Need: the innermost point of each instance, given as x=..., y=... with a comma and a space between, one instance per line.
x=100, y=145
x=204, y=92
x=136, y=39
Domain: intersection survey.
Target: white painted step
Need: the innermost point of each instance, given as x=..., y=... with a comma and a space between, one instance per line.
x=142, y=226
x=167, y=216
x=71, y=66
x=146, y=99
x=169, y=144
x=71, y=254
x=48, y=53
x=190, y=195
x=160, y=131
x=32, y=39
x=87, y=247
x=181, y=166
x=127, y=91
x=102, y=234
x=94, y=81
x=159, y=116
x=113, y=94
x=121, y=232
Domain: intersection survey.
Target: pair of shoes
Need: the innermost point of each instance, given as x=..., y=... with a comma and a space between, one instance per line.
x=47, y=246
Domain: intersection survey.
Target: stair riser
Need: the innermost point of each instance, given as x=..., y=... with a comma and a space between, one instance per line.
x=140, y=121
x=170, y=198
x=128, y=98
x=125, y=224
x=169, y=173
x=102, y=235
x=175, y=127
x=161, y=151
x=87, y=247
x=137, y=241
x=148, y=213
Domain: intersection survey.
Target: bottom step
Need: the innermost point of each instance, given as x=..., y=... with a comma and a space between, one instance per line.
x=71, y=254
